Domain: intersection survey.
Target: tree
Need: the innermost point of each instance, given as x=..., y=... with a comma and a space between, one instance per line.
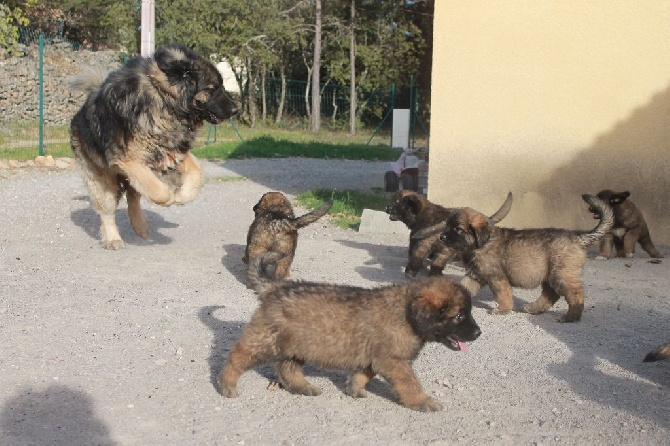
x=316, y=71
x=10, y=20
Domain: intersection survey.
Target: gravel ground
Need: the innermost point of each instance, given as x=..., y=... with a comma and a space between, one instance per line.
x=123, y=347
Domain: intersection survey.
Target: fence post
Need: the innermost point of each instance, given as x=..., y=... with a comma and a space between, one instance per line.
x=41, y=95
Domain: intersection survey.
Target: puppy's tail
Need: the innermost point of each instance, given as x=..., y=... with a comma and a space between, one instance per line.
x=659, y=353
x=311, y=217
x=504, y=209
x=88, y=79
x=604, y=225
x=262, y=275
x=495, y=218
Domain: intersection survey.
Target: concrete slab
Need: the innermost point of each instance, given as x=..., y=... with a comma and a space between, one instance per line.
x=377, y=222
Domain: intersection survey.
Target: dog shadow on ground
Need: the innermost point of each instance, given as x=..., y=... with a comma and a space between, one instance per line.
x=386, y=263
x=232, y=261
x=55, y=415
x=226, y=333
x=89, y=220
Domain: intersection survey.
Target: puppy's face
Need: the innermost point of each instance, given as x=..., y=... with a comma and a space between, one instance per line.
x=404, y=206
x=442, y=312
x=466, y=229
x=274, y=203
x=614, y=199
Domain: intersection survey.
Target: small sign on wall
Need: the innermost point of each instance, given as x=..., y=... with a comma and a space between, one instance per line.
x=400, y=131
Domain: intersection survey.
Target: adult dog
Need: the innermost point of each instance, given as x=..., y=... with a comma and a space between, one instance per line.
x=135, y=131
x=275, y=228
x=629, y=227
x=368, y=331
x=503, y=258
x=418, y=213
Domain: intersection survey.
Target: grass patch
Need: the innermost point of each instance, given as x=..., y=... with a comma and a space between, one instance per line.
x=347, y=207
x=226, y=179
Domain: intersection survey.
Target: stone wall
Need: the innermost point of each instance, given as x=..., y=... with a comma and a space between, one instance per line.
x=19, y=82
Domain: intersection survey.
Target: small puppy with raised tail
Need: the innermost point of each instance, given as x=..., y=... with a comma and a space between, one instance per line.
x=503, y=258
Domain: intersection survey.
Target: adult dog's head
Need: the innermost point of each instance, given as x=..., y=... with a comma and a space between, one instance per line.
x=196, y=83
x=610, y=197
x=274, y=205
x=442, y=312
x=466, y=229
x=405, y=205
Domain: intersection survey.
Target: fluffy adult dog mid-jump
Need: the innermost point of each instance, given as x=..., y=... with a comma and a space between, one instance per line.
x=134, y=133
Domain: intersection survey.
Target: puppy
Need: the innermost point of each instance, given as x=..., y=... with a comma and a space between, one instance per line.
x=367, y=331
x=629, y=227
x=418, y=213
x=275, y=228
x=503, y=258
x=659, y=353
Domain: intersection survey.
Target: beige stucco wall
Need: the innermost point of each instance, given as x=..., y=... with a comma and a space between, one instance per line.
x=551, y=99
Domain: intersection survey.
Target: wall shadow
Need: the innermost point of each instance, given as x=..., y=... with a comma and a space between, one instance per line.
x=57, y=415
x=633, y=155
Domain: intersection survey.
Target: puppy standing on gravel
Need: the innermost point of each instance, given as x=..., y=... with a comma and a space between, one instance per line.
x=275, y=228
x=503, y=258
x=629, y=227
x=368, y=331
x=418, y=213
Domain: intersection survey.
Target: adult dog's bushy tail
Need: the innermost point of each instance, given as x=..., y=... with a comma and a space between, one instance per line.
x=88, y=79
x=604, y=225
x=659, y=353
x=261, y=275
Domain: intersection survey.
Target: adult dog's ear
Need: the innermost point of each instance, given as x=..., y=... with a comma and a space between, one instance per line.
x=174, y=61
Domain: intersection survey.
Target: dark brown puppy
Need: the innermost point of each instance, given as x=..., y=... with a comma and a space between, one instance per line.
x=134, y=133
x=367, y=331
x=659, y=353
x=503, y=258
x=629, y=227
x=418, y=213
x=275, y=228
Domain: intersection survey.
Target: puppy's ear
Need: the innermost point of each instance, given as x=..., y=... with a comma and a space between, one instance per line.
x=413, y=203
x=620, y=197
x=480, y=233
x=426, y=306
x=255, y=208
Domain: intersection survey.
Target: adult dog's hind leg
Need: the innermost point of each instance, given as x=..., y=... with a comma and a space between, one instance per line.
x=105, y=192
x=191, y=180
x=137, y=220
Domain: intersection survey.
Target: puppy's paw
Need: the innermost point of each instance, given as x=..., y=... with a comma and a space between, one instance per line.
x=355, y=393
x=534, y=308
x=501, y=311
x=410, y=274
x=428, y=405
x=308, y=391
x=601, y=258
x=630, y=255
x=229, y=392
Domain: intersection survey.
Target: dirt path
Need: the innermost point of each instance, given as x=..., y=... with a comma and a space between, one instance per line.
x=123, y=347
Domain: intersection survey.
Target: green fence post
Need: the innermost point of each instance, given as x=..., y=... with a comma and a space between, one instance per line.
x=41, y=95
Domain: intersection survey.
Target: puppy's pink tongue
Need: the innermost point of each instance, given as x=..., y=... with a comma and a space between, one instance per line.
x=463, y=346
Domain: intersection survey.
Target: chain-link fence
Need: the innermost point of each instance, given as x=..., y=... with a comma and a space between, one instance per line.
x=36, y=104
